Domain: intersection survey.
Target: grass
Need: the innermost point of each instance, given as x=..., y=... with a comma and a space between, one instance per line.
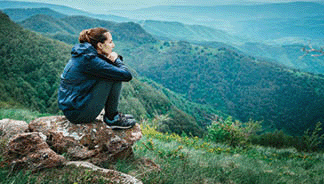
x=20, y=114
x=257, y=165
x=170, y=158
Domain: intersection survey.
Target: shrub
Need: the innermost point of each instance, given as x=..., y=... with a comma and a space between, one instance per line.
x=312, y=140
x=232, y=132
x=276, y=139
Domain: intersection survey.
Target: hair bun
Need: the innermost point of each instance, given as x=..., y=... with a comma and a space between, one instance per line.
x=93, y=36
x=84, y=36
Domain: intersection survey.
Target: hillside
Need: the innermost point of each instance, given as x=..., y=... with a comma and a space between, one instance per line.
x=242, y=86
x=309, y=27
x=289, y=55
x=24, y=60
x=73, y=25
x=20, y=14
x=282, y=47
x=179, y=31
x=58, y=8
x=227, y=17
x=47, y=24
x=30, y=68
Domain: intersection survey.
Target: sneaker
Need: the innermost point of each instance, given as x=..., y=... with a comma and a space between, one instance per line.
x=120, y=121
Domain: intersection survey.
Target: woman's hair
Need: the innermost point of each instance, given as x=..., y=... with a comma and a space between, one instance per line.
x=93, y=36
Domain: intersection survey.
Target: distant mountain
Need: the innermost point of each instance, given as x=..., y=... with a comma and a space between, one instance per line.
x=232, y=18
x=20, y=14
x=179, y=31
x=47, y=24
x=73, y=25
x=160, y=29
x=59, y=8
x=309, y=28
x=289, y=55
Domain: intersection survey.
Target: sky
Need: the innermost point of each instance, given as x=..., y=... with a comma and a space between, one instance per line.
x=92, y=5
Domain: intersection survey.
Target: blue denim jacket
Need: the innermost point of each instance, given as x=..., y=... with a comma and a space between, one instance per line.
x=82, y=72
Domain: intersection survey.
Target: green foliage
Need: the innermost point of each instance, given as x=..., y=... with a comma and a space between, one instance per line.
x=197, y=160
x=67, y=174
x=276, y=139
x=232, y=132
x=20, y=114
x=21, y=177
x=25, y=58
x=144, y=101
x=201, y=112
x=312, y=140
x=236, y=84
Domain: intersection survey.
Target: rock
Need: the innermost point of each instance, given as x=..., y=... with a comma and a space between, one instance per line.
x=94, y=142
x=9, y=128
x=30, y=151
x=115, y=176
x=48, y=138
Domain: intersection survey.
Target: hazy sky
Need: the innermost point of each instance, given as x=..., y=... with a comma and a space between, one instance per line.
x=91, y=5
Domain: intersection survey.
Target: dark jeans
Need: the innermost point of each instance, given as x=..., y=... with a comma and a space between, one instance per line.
x=103, y=95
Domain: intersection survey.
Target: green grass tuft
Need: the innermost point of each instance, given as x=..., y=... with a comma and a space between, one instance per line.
x=20, y=114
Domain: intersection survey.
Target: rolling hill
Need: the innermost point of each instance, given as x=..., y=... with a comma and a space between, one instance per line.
x=290, y=55
x=283, y=47
x=240, y=85
x=20, y=14
x=58, y=8
x=178, y=31
x=226, y=17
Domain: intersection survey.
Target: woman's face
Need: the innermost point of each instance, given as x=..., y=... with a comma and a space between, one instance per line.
x=106, y=47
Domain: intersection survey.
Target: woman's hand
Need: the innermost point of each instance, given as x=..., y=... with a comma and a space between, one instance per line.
x=112, y=56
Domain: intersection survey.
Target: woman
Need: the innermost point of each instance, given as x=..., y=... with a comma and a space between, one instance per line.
x=92, y=80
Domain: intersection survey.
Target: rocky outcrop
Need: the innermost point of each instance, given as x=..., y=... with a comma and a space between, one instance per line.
x=41, y=143
x=115, y=176
x=30, y=151
x=9, y=128
x=93, y=142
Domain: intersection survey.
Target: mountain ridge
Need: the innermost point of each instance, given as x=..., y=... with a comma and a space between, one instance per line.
x=20, y=14
x=59, y=8
x=261, y=31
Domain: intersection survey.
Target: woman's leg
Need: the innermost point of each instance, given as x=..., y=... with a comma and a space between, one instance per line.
x=104, y=95
x=111, y=105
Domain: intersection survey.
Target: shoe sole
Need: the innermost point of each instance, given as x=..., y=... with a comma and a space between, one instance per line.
x=120, y=127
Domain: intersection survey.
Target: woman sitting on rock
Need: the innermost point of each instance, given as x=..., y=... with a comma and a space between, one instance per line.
x=92, y=80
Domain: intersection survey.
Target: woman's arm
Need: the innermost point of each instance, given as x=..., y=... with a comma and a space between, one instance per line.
x=102, y=69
